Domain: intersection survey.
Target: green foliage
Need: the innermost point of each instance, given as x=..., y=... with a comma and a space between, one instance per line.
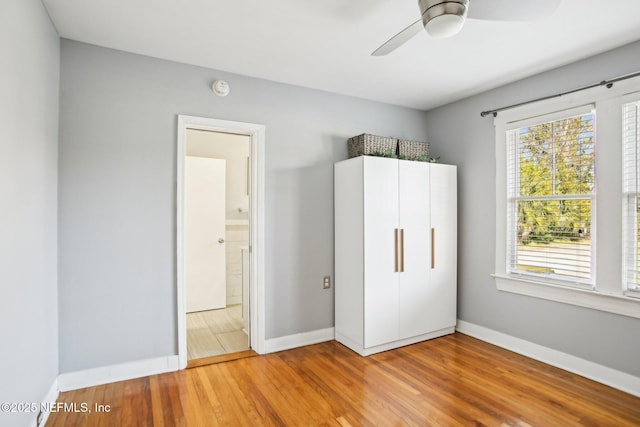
x=555, y=159
x=391, y=154
x=386, y=153
x=427, y=158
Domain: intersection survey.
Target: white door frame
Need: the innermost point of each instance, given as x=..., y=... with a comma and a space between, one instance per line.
x=256, y=239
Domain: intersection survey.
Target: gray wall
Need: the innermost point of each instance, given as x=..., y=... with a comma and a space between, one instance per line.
x=117, y=196
x=466, y=139
x=29, y=78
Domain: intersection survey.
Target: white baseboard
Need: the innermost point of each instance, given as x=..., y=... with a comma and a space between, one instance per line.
x=298, y=340
x=142, y=368
x=120, y=372
x=602, y=374
x=50, y=397
x=234, y=300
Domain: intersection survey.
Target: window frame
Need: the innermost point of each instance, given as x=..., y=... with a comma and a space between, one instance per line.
x=607, y=292
x=512, y=199
x=628, y=246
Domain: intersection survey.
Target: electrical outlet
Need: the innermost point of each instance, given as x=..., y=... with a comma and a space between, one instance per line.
x=326, y=282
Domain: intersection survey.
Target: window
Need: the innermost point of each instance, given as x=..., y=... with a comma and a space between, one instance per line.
x=567, y=212
x=631, y=185
x=551, y=189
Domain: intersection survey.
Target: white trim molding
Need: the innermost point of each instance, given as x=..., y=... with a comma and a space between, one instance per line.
x=288, y=342
x=595, y=299
x=123, y=371
x=602, y=374
x=256, y=132
x=50, y=398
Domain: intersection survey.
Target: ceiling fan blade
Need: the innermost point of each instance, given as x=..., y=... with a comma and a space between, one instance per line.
x=399, y=39
x=512, y=10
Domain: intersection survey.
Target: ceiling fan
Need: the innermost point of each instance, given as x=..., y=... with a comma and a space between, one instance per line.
x=445, y=18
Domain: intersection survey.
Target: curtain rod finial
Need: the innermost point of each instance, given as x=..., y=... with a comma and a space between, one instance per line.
x=606, y=83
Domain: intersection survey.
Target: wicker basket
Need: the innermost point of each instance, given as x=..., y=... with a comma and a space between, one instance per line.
x=412, y=149
x=368, y=144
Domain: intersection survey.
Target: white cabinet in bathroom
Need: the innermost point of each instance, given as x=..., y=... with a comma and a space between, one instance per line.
x=395, y=252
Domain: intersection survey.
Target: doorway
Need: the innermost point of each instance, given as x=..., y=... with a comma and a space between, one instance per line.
x=219, y=229
x=216, y=241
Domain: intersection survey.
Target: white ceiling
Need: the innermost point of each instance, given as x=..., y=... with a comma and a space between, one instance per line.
x=325, y=44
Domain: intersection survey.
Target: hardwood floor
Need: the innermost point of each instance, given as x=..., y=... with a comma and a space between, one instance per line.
x=215, y=332
x=450, y=381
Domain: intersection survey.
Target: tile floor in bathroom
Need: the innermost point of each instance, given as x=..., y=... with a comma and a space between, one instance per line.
x=215, y=332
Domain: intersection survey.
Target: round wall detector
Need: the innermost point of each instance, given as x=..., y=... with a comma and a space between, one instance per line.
x=220, y=88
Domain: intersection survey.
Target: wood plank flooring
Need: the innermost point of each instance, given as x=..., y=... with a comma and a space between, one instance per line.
x=215, y=332
x=455, y=380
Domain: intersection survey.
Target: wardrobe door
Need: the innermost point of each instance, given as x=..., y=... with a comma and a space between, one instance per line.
x=381, y=257
x=443, y=266
x=415, y=246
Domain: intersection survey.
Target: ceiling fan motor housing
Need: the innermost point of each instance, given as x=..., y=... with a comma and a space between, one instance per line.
x=443, y=18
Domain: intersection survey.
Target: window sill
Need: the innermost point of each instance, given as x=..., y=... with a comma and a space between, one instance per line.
x=597, y=300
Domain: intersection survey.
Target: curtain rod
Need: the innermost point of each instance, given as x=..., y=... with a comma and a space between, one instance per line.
x=607, y=83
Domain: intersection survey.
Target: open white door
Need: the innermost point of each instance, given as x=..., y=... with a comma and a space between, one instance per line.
x=204, y=222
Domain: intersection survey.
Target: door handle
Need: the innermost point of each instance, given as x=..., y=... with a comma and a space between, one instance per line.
x=395, y=244
x=220, y=240
x=402, y=250
x=433, y=248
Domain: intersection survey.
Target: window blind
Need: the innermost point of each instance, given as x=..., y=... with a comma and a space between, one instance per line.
x=631, y=183
x=551, y=188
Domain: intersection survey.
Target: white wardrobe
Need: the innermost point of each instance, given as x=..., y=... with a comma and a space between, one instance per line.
x=395, y=252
